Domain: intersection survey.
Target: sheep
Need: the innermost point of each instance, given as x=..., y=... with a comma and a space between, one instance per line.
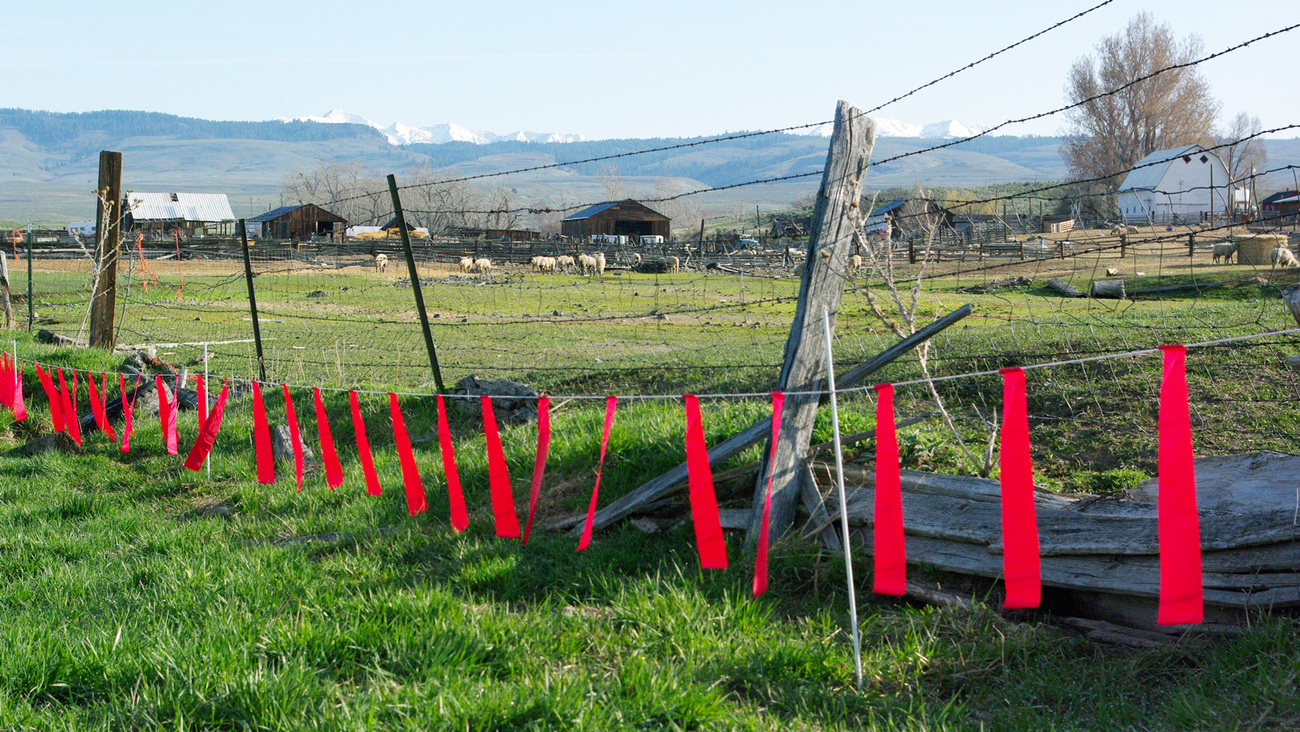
x=466, y=264
x=636, y=260
x=587, y=263
x=855, y=262
x=1283, y=257
x=671, y=265
x=1132, y=229
x=483, y=265
x=600, y=263
x=1116, y=230
x=564, y=262
x=381, y=262
x=548, y=264
x=1224, y=252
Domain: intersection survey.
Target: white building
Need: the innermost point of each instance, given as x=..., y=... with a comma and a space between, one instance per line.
x=192, y=214
x=1183, y=184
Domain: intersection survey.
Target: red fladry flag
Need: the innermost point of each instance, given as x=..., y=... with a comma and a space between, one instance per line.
x=611, y=403
x=54, y=398
x=890, y=575
x=128, y=411
x=455, y=497
x=539, y=465
x=201, y=392
x=415, y=499
x=503, y=499
x=328, y=454
x=52, y=395
x=20, y=407
x=6, y=384
x=167, y=416
x=262, y=438
x=764, y=536
x=208, y=433
x=103, y=391
x=294, y=434
x=704, y=502
x=1021, y=570
x=97, y=409
x=363, y=447
x=1181, y=600
x=70, y=417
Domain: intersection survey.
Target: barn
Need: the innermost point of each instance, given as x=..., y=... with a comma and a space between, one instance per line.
x=1282, y=207
x=1181, y=184
x=903, y=217
x=300, y=222
x=192, y=214
x=621, y=218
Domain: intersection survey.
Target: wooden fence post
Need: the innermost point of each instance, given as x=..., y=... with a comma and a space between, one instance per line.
x=804, y=367
x=108, y=229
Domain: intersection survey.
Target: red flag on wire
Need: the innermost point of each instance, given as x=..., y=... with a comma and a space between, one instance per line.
x=262, y=438
x=54, y=397
x=760, y=557
x=201, y=391
x=6, y=384
x=1181, y=596
x=97, y=408
x=1021, y=570
x=208, y=433
x=294, y=434
x=539, y=465
x=704, y=502
x=363, y=447
x=890, y=575
x=503, y=500
x=20, y=408
x=167, y=416
x=611, y=403
x=415, y=499
x=70, y=417
x=455, y=497
x=128, y=410
x=328, y=454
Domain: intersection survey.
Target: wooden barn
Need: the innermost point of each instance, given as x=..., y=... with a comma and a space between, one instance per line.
x=903, y=217
x=300, y=222
x=1280, y=207
x=623, y=218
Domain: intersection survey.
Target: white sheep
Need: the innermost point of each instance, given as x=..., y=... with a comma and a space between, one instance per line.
x=548, y=264
x=381, y=262
x=670, y=265
x=1223, y=252
x=636, y=259
x=600, y=263
x=483, y=265
x=587, y=263
x=1283, y=257
x=855, y=262
x=466, y=264
x=564, y=262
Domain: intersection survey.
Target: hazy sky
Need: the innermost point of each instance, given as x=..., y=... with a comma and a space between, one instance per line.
x=605, y=69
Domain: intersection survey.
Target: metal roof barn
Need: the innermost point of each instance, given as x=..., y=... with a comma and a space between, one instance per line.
x=625, y=218
x=194, y=214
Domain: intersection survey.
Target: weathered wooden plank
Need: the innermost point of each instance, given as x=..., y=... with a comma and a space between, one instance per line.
x=824, y=274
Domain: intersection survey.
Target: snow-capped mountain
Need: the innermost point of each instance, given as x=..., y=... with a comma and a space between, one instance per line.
x=893, y=127
x=399, y=133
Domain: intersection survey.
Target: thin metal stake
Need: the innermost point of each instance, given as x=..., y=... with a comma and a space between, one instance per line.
x=206, y=387
x=844, y=512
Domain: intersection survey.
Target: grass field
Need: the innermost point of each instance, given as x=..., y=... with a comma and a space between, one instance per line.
x=138, y=595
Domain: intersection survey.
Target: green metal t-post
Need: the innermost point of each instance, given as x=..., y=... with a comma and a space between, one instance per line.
x=415, y=284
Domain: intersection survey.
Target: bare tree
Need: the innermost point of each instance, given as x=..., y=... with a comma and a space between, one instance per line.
x=1242, y=156
x=1173, y=108
x=615, y=187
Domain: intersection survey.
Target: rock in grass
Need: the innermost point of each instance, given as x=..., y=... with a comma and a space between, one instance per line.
x=282, y=448
x=54, y=441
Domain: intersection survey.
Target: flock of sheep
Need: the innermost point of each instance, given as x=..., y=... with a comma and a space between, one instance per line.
x=1278, y=257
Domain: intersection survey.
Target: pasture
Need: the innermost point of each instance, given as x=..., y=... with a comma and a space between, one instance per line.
x=139, y=595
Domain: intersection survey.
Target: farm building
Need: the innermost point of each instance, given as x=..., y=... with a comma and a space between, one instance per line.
x=302, y=221
x=790, y=227
x=192, y=214
x=625, y=218
x=1184, y=184
x=905, y=216
x=1280, y=207
x=469, y=232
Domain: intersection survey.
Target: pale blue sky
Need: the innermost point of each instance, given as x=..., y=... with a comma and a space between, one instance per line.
x=604, y=69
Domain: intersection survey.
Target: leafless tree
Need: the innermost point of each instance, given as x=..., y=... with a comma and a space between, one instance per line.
x=1242, y=158
x=428, y=199
x=1108, y=135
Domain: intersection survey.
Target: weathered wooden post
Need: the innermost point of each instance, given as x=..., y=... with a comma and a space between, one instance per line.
x=415, y=282
x=108, y=229
x=4, y=292
x=804, y=367
x=1191, y=246
x=1123, y=245
x=252, y=301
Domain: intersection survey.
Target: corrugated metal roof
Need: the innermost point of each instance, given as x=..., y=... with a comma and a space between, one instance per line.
x=180, y=206
x=1157, y=164
x=590, y=211
x=276, y=213
x=889, y=206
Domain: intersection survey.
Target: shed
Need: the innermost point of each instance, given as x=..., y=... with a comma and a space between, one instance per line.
x=620, y=218
x=302, y=221
x=1181, y=184
x=906, y=216
x=1280, y=207
x=192, y=214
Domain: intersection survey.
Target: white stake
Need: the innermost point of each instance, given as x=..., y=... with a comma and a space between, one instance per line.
x=844, y=513
x=206, y=386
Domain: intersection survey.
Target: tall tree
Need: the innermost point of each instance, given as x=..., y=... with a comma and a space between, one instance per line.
x=1109, y=134
x=1242, y=156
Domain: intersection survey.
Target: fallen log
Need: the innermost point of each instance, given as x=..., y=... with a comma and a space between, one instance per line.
x=1063, y=287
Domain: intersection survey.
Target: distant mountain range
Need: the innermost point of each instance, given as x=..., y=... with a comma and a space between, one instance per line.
x=48, y=161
